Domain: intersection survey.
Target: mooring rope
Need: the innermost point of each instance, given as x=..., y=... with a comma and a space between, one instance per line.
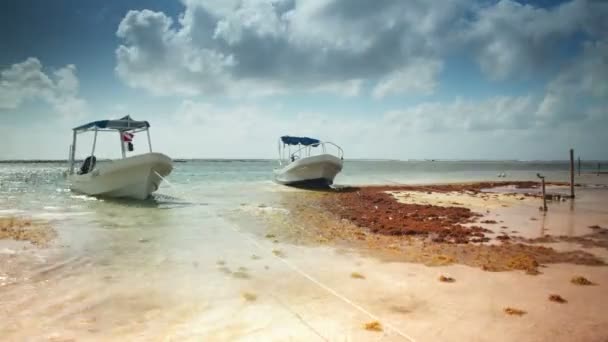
x=310, y=278
x=321, y=285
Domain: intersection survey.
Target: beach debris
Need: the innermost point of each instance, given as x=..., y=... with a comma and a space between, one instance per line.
x=446, y=279
x=440, y=260
x=255, y=257
x=579, y=280
x=523, y=262
x=503, y=237
x=278, y=253
x=595, y=226
x=489, y=221
x=143, y=240
x=225, y=270
x=373, y=326
x=533, y=219
x=270, y=236
x=38, y=233
x=557, y=298
x=357, y=275
x=248, y=296
x=241, y=275
x=514, y=312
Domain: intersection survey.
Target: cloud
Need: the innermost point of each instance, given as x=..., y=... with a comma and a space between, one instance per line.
x=513, y=39
x=26, y=81
x=264, y=47
x=276, y=46
x=493, y=128
x=497, y=113
x=419, y=78
x=580, y=90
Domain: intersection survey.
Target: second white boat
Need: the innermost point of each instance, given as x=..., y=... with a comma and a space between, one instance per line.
x=305, y=168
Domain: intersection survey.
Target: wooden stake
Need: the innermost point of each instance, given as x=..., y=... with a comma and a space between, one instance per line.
x=542, y=179
x=571, y=173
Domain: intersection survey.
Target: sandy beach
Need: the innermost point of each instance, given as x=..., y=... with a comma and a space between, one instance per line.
x=432, y=262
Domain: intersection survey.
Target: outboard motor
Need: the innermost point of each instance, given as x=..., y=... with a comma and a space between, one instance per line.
x=88, y=165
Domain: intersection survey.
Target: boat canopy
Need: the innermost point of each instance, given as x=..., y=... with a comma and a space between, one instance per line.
x=122, y=124
x=300, y=141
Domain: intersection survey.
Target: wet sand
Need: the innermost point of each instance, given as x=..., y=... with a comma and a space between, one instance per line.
x=296, y=268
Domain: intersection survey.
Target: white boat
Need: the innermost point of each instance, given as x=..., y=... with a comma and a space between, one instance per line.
x=310, y=165
x=133, y=177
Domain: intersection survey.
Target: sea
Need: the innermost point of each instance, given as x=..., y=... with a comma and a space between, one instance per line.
x=177, y=266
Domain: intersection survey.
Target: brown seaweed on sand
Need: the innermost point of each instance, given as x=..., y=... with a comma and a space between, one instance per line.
x=578, y=280
x=373, y=326
x=36, y=232
x=357, y=275
x=278, y=253
x=250, y=297
x=446, y=279
x=557, y=298
x=514, y=312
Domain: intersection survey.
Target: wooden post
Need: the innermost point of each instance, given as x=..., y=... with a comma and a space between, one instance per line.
x=598, y=168
x=571, y=173
x=579, y=166
x=542, y=179
x=544, y=195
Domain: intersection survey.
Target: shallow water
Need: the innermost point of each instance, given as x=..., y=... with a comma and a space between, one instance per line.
x=177, y=266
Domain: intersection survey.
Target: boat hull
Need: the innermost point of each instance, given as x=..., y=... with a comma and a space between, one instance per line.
x=135, y=177
x=315, y=171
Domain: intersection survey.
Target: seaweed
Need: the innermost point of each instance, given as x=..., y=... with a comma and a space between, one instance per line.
x=514, y=312
x=373, y=326
x=578, y=280
x=356, y=275
x=446, y=279
x=250, y=297
x=557, y=298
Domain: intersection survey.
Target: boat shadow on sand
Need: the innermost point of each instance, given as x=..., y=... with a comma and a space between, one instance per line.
x=159, y=201
x=326, y=188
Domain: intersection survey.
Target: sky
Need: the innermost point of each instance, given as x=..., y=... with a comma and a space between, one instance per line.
x=395, y=79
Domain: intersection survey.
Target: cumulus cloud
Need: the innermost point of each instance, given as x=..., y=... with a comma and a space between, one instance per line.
x=273, y=46
x=514, y=39
x=262, y=47
x=579, y=91
x=25, y=81
x=420, y=77
x=502, y=112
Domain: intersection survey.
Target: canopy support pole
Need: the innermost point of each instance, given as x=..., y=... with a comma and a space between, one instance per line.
x=73, y=153
x=122, y=145
x=149, y=141
x=94, y=143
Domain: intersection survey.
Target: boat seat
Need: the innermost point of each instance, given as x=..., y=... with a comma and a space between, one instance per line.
x=87, y=165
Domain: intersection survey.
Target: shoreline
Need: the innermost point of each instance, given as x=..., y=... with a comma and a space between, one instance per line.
x=479, y=224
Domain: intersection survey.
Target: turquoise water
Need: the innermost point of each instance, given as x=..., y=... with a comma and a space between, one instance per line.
x=42, y=187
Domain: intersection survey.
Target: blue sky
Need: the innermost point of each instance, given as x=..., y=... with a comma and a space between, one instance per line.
x=457, y=79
